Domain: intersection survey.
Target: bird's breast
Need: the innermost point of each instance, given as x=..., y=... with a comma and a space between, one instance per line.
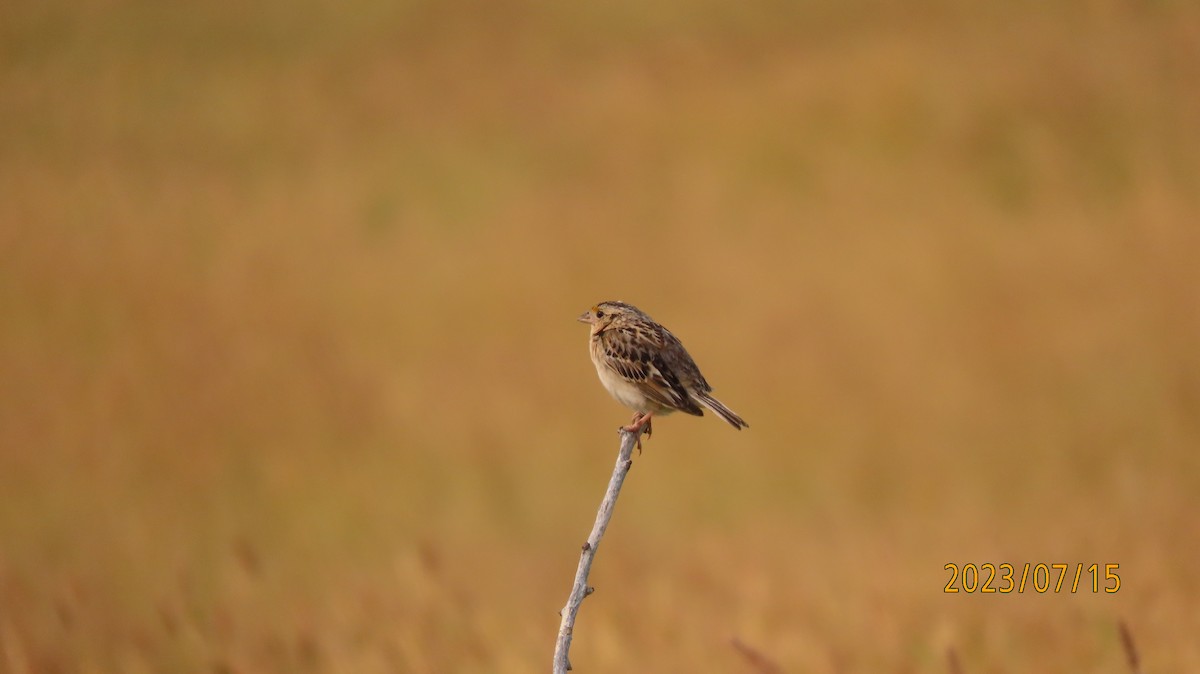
x=627, y=392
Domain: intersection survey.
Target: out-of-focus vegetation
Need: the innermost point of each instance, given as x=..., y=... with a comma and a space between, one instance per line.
x=290, y=381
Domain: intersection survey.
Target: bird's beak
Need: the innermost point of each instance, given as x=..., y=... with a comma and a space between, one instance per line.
x=586, y=317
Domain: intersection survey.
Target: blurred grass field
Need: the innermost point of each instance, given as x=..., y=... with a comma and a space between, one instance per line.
x=290, y=379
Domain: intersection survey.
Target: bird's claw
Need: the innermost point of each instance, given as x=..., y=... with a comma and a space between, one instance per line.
x=639, y=425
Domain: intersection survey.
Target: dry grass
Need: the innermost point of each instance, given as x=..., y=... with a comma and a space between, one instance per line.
x=290, y=380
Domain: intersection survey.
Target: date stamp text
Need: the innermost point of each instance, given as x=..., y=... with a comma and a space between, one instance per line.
x=1041, y=578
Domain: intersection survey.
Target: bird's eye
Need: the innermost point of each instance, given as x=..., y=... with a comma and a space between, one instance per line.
x=599, y=314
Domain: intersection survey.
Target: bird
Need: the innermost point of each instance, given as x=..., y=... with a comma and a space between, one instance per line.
x=646, y=368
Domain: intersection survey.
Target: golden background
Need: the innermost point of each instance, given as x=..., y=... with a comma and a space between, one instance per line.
x=290, y=379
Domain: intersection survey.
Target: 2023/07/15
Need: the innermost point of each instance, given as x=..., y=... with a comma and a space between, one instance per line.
x=1003, y=578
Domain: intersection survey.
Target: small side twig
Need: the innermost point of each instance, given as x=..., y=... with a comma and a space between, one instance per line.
x=580, y=589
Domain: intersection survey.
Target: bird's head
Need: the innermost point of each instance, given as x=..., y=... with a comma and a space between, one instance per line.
x=605, y=314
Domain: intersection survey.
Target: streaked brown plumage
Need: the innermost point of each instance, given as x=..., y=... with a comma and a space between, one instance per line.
x=646, y=368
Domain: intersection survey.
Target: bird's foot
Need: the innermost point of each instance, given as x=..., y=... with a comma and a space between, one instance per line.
x=639, y=424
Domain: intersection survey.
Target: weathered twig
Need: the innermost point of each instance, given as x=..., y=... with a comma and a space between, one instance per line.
x=581, y=589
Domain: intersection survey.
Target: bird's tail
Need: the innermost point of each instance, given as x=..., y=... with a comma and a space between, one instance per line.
x=722, y=411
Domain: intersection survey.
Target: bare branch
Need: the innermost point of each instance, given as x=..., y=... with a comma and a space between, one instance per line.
x=580, y=589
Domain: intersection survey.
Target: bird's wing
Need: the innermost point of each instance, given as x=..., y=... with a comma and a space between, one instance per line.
x=680, y=362
x=637, y=356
